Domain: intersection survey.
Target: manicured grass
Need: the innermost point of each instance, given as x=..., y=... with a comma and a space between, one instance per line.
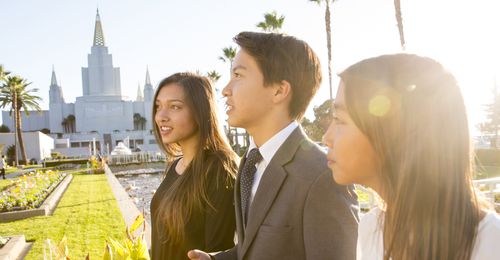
x=87, y=215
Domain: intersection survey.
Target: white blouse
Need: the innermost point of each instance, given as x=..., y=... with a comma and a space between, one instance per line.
x=370, y=241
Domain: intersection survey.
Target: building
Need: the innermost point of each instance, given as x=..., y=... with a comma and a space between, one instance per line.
x=37, y=144
x=100, y=115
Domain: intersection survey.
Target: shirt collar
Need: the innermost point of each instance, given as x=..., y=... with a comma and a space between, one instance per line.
x=271, y=146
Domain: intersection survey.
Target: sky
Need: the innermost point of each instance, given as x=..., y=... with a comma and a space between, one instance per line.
x=170, y=36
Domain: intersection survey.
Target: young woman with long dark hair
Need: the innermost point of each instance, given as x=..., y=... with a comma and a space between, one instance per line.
x=193, y=206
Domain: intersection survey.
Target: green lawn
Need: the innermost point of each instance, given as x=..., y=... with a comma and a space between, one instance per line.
x=4, y=183
x=87, y=214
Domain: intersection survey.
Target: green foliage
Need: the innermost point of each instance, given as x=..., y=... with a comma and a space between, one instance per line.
x=30, y=190
x=214, y=76
x=53, y=163
x=132, y=248
x=4, y=129
x=87, y=215
x=58, y=251
x=271, y=23
x=323, y=116
x=228, y=54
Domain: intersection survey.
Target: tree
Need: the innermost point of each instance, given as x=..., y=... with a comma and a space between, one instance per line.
x=64, y=124
x=15, y=94
x=4, y=129
x=492, y=125
x=271, y=23
x=323, y=117
x=228, y=55
x=3, y=75
x=328, y=40
x=399, y=19
x=139, y=122
x=213, y=76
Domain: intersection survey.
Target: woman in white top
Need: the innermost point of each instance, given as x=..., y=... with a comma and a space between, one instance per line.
x=400, y=128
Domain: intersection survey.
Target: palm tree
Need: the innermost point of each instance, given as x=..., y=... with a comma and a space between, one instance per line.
x=71, y=123
x=3, y=74
x=64, y=124
x=399, y=19
x=271, y=23
x=328, y=40
x=142, y=123
x=16, y=95
x=228, y=55
x=214, y=76
x=137, y=118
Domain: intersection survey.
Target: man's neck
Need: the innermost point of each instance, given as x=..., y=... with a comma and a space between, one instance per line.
x=264, y=132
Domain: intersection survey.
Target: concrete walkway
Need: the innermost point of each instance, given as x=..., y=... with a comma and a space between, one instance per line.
x=127, y=207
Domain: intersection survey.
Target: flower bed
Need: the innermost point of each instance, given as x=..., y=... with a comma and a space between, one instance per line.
x=30, y=190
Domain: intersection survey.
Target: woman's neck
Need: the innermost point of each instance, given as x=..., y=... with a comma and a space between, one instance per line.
x=188, y=153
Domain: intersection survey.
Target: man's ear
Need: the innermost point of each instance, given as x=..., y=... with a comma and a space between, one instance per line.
x=282, y=91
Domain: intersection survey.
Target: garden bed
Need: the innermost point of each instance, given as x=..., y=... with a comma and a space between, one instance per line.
x=87, y=215
x=34, y=195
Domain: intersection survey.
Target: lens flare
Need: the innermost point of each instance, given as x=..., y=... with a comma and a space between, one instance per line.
x=379, y=105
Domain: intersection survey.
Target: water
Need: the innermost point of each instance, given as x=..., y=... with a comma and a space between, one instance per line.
x=141, y=188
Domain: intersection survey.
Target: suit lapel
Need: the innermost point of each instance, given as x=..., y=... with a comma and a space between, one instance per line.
x=269, y=186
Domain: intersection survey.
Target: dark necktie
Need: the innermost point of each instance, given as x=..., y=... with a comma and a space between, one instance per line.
x=246, y=180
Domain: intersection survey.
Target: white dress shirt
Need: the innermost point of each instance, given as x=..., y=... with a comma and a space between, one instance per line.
x=268, y=150
x=371, y=243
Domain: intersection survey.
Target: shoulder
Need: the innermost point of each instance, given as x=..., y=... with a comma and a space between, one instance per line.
x=488, y=235
x=309, y=161
x=489, y=226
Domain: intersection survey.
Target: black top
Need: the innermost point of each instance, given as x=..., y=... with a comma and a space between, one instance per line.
x=207, y=230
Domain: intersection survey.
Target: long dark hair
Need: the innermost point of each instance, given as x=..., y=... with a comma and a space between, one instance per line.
x=188, y=193
x=413, y=113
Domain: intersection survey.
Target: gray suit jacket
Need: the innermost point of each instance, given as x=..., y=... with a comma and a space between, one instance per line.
x=298, y=211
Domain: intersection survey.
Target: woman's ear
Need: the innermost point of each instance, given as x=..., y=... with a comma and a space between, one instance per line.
x=282, y=91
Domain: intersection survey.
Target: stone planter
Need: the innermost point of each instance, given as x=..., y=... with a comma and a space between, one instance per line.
x=13, y=249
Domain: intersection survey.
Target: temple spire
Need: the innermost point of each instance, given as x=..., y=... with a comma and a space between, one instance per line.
x=98, y=33
x=148, y=80
x=139, y=93
x=53, y=80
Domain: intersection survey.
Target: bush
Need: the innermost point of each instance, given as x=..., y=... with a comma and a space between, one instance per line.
x=56, y=155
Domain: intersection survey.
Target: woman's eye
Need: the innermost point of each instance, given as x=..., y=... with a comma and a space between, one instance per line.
x=174, y=107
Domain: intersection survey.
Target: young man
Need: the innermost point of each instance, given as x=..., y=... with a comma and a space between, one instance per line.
x=287, y=204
